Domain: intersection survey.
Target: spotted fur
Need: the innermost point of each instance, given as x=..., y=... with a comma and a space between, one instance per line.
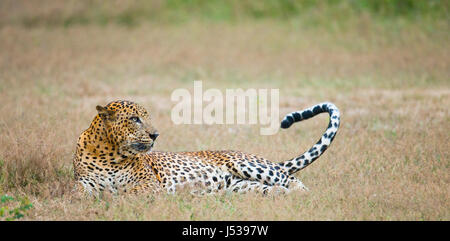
x=115, y=154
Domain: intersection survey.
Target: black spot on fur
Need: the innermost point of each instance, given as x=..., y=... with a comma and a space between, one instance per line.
x=246, y=174
x=297, y=117
x=290, y=118
x=317, y=110
x=307, y=114
x=286, y=123
x=228, y=180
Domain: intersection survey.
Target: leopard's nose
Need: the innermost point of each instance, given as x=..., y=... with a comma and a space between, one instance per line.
x=153, y=136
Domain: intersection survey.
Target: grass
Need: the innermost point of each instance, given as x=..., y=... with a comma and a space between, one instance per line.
x=387, y=71
x=134, y=12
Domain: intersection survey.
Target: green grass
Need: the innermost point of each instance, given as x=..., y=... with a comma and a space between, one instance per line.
x=13, y=208
x=329, y=13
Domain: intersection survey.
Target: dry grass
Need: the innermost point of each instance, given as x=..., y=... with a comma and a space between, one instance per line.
x=390, y=160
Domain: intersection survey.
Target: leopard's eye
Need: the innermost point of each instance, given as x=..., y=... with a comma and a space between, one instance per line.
x=135, y=119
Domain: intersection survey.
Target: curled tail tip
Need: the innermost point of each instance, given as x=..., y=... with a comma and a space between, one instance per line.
x=310, y=112
x=286, y=123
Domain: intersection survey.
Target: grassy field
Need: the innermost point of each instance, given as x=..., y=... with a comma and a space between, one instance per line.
x=387, y=70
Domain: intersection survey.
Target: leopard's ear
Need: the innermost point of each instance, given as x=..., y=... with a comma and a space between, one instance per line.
x=104, y=113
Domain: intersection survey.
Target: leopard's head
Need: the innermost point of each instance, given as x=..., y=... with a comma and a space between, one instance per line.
x=128, y=127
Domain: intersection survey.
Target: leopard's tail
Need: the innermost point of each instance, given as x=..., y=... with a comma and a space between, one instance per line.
x=294, y=165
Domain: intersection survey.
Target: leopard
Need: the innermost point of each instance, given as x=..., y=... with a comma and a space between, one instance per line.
x=115, y=154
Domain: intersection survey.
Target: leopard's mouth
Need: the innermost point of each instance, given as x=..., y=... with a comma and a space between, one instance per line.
x=142, y=147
